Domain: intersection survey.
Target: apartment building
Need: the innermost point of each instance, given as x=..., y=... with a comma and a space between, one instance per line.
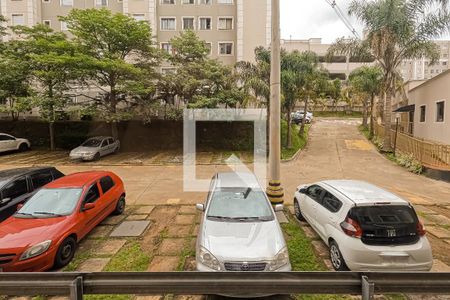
x=232, y=28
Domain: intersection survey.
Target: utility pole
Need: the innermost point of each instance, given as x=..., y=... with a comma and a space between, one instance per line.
x=274, y=190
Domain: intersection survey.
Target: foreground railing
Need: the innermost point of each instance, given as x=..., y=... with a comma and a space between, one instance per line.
x=240, y=283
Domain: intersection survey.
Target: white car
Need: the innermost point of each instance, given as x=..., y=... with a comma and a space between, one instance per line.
x=365, y=227
x=11, y=143
x=95, y=147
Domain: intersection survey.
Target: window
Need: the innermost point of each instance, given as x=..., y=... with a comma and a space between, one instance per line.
x=41, y=179
x=167, y=1
x=225, y=48
x=205, y=2
x=66, y=2
x=331, y=203
x=167, y=47
x=47, y=23
x=101, y=2
x=188, y=2
x=440, y=106
x=18, y=19
x=444, y=63
x=104, y=143
x=314, y=192
x=15, y=189
x=46, y=1
x=225, y=24
x=188, y=23
x=423, y=110
x=110, y=141
x=168, y=24
x=205, y=23
x=106, y=183
x=92, y=195
x=64, y=26
x=225, y=1
x=139, y=17
x=209, y=47
x=6, y=138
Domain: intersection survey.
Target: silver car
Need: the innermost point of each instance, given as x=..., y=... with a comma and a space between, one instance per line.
x=239, y=230
x=95, y=147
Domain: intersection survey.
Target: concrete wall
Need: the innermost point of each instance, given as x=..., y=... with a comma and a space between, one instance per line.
x=428, y=94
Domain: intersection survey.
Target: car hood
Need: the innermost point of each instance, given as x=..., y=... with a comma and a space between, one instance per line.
x=242, y=241
x=22, y=233
x=82, y=149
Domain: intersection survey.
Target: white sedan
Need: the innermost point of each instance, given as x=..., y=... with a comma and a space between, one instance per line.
x=11, y=143
x=365, y=227
x=95, y=147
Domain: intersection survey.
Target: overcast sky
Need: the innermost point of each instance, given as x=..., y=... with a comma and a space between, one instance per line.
x=303, y=19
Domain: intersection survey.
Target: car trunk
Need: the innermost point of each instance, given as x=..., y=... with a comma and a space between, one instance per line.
x=387, y=224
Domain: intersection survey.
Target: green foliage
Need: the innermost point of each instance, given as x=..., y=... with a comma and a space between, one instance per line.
x=407, y=161
x=298, y=141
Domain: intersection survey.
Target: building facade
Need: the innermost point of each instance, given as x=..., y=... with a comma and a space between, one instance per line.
x=231, y=28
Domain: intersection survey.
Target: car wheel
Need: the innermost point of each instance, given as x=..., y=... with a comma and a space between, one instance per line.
x=65, y=252
x=117, y=149
x=337, y=260
x=23, y=147
x=120, y=206
x=97, y=156
x=297, y=211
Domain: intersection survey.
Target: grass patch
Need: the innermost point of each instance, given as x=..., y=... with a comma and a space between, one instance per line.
x=131, y=258
x=339, y=114
x=108, y=297
x=365, y=131
x=298, y=142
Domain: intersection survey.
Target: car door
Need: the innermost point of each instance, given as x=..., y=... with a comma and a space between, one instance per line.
x=90, y=218
x=313, y=196
x=327, y=214
x=104, y=147
x=15, y=192
x=111, y=145
x=7, y=143
x=109, y=196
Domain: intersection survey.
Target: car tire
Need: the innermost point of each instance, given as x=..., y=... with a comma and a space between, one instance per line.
x=23, y=147
x=120, y=206
x=96, y=156
x=337, y=260
x=65, y=252
x=117, y=149
x=297, y=211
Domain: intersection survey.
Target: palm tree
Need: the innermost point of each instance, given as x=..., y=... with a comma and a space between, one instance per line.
x=367, y=82
x=395, y=30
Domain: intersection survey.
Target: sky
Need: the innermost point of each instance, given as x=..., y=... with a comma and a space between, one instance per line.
x=303, y=19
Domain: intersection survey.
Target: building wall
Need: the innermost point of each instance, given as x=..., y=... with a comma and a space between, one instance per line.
x=428, y=94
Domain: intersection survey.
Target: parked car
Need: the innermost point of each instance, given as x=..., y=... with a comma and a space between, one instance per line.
x=297, y=117
x=11, y=143
x=18, y=185
x=365, y=227
x=239, y=230
x=95, y=147
x=44, y=231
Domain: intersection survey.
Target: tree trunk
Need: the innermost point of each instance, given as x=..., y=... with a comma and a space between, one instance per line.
x=51, y=130
x=364, y=123
x=387, y=122
x=372, y=116
x=289, y=137
x=302, y=127
x=113, y=110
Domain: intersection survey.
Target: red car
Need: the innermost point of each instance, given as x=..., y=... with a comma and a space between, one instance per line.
x=44, y=232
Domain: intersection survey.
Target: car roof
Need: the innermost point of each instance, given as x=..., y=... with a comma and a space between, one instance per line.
x=361, y=192
x=100, y=137
x=79, y=179
x=9, y=173
x=237, y=179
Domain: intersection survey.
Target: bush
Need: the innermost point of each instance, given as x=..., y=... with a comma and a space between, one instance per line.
x=408, y=161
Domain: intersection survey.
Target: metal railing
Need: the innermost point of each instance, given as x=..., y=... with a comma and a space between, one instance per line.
x=229, y=283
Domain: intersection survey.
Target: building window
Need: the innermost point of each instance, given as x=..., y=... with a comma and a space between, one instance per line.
x=139, y=17
x=17, y=19
x=64, y=26
x=188, y=23
x=47, y=23
x=168, y=24
x=209, y=47
x=188, y=2
x=423, y=111
x=46, y=1
x=226, y=48
x=225, y=1
x=225, y=24
x=208, y=2
x=101, y=2
x=66, y=2
x=205, y=23
x=167, y=1
x=167, y=47
x=440, y=106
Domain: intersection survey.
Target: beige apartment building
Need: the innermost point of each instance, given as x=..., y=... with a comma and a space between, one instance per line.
x=232, y=28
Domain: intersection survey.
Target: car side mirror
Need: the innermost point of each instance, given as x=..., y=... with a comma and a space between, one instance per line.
x=5, y=200
x=88, y=206
x=200, y=207
x=303, y=191
x=19, y=206
x=279, y=207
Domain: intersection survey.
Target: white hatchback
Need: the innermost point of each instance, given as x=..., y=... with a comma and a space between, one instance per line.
x=365, y=227
x=11, y=143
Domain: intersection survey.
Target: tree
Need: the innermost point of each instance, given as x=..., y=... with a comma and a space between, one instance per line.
x=367, y=82
x=395, y=30
x=120, y=52
x=53, y=61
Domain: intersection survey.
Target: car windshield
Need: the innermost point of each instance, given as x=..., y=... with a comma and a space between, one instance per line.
x=239, y=204
x=92, y=143
x=51, y=202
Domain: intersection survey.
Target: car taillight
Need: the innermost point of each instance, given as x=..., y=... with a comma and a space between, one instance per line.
x=351, y=228
x=420, y=228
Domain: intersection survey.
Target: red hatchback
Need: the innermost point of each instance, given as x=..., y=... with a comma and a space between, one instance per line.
x=44, y=232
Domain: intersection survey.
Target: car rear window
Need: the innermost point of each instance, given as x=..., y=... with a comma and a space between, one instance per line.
x=386, y=224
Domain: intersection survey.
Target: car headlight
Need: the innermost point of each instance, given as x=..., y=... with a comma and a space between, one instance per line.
x=281, y=259
x=36, y=250
x=206, y=258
